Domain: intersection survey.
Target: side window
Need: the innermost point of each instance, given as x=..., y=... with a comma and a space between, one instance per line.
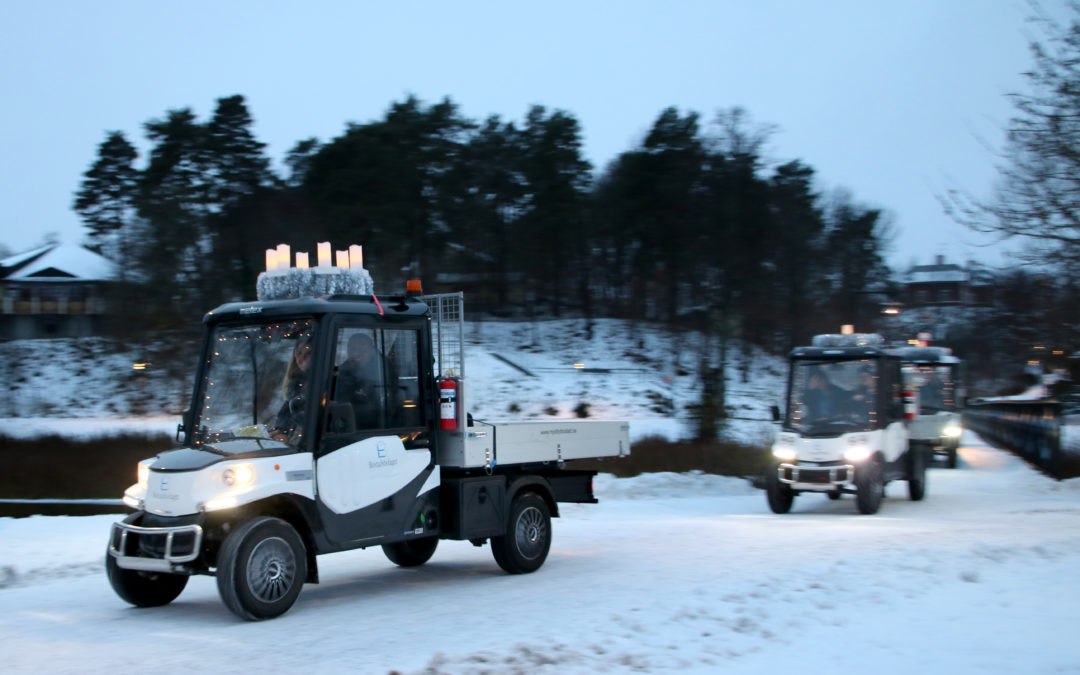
x=376, y=383
x=403, y=350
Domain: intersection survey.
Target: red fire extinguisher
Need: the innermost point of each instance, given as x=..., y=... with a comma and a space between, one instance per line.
x=911, y=404
x=448, y=404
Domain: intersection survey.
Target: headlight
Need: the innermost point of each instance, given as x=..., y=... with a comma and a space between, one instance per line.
x=784, y=452
x=858, y=448
x=239, y=475
x=953, y=431
x=857, y=453
x=142, y=476
x=784, y=447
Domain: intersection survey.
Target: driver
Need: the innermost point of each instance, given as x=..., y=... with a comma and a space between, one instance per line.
x=822, y=398
x=287, y=425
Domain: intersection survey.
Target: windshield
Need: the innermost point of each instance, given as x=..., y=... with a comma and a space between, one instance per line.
x=936, y=384
x=255, y=382
x=829, y=398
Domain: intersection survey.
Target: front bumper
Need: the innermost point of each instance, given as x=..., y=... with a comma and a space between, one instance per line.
x=823, y=478
x=155, y=549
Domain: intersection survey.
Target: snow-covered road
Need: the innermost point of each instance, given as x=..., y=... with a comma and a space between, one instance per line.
x=686, y=573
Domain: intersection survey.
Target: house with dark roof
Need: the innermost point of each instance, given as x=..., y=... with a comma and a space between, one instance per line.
x=945, y=284
x=53, y=291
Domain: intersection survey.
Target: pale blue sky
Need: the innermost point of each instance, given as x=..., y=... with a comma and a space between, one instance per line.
x=887, y=99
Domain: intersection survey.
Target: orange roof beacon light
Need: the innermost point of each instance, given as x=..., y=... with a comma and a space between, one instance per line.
x=412, y=287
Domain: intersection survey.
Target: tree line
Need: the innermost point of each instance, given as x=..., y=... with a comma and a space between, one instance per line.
x=693, y=226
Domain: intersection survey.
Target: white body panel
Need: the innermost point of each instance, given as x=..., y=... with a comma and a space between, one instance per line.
x=839, y=457
x=932, y=427
x=891, y=442
x=485, y=445
x=368, y=471
x=179, y=493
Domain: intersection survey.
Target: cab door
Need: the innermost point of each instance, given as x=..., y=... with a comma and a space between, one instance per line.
x=376, y=478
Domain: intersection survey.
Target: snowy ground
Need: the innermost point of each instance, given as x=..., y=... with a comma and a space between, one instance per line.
x=687, y=573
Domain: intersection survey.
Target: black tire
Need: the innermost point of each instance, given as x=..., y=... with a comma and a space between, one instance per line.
x=779, y=495
x=920, y=455
x=144, y=589
x=835, y=495
x=950, y=460
x=525, y=546
x=869, y=487
x=262, y=566
x=411, y=553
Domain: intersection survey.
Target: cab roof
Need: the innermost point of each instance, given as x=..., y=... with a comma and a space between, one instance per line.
x=927, y=355
x=844, y=346
x=859, y=352
x=314, y=306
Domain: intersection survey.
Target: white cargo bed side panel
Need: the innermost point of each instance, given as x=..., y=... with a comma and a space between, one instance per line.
x=470, y=449
x=527, y=442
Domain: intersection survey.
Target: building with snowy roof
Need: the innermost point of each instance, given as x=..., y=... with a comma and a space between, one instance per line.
x=53, y=291
x=948, y=284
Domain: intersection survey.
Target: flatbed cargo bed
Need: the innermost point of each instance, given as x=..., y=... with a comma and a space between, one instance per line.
x=485, y=445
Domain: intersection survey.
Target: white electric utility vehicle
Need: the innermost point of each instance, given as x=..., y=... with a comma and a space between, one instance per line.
x=336, y=422
x=937, y=378
x=844, y=426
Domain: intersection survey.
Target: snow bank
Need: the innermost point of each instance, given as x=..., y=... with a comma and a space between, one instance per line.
x=87, y=428
x=667, y=485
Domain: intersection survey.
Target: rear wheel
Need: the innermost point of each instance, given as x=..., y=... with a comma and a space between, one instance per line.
x=917, y=472
x=261, y=568
x=524, y=547
x=411, y=553
x=779, y=495
x=835, y=495
x=869, y=487
x=950, y=460
x=144, y=589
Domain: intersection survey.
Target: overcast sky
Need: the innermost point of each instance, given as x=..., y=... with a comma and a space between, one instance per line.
x=894, y=101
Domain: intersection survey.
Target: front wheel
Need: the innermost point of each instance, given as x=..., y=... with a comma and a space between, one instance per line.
x=261, y=568
x=524, y=547
x=144, y=589
x=869, y=487
x=411, y=553
x=779, y=495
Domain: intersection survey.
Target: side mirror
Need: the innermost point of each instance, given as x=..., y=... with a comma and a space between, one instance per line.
x=775, y=409
x=185, y=424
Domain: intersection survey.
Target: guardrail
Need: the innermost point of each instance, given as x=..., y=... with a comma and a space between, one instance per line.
x=1030, y=429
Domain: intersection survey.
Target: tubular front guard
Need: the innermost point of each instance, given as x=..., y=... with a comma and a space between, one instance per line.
x=155, y=549
x=818, y=477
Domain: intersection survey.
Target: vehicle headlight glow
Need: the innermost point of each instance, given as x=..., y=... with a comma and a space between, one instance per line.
x=226, y=502
x=784, y=452
x=857, y=452
x=142, y=476
x=953, y=431
x=239, y=475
